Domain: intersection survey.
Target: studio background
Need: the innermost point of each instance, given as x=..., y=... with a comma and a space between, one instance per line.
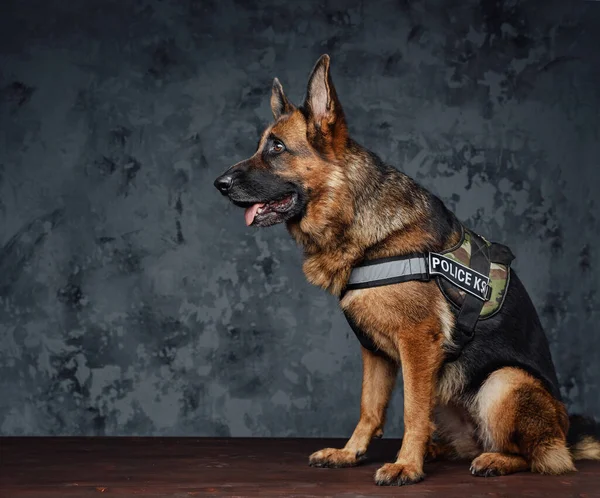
x=133, y=299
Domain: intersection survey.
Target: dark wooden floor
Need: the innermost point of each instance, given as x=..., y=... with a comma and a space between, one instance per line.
x=183, y=467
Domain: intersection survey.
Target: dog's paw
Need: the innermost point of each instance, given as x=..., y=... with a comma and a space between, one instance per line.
x=495, y=464
x=483, y=466
x=436, y=451
x=334, y=458
x=398, y=474
x=440, y=451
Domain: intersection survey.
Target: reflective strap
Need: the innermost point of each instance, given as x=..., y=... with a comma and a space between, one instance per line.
x=388, y=270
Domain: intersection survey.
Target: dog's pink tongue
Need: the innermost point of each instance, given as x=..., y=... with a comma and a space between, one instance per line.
x=251, y=213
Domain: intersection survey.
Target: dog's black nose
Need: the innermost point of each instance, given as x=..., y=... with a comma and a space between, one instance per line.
x=224, y=183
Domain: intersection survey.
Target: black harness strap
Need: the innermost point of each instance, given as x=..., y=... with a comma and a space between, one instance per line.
x=471, y=306
x=501, y=254
x=364, y=339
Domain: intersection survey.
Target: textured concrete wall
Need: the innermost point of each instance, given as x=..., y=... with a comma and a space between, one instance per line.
x=133, y=299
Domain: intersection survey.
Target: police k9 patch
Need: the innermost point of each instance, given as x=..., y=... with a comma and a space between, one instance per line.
x=460, y=275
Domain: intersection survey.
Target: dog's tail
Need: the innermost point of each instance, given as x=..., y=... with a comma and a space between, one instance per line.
x=584, y=438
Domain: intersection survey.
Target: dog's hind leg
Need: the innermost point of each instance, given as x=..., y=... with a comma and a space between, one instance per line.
x=521, y=426
x=379, y=377
x=455, y=434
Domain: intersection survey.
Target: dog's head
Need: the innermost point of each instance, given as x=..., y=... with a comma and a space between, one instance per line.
x=298, y=158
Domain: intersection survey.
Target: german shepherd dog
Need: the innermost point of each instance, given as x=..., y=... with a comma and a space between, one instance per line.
x=497, y=404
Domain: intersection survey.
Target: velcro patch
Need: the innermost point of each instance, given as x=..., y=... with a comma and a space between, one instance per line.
x=460, y=275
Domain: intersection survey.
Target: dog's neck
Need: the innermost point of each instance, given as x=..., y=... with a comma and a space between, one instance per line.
x=367, y=210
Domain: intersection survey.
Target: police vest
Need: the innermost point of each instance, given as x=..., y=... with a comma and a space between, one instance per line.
x=473, y=276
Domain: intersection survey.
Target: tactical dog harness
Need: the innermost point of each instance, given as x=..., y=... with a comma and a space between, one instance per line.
x=473, y=276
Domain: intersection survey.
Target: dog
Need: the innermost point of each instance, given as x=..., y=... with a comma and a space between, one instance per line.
x=494, y=400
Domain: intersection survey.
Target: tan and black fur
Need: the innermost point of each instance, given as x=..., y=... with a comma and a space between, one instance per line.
x=498, y=404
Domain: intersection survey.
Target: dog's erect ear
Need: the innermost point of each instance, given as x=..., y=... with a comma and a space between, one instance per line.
x=279, y=102
x=324, y=108
x=321, y=97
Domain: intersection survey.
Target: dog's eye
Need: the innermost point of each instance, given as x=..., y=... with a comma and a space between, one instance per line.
x=277, y=147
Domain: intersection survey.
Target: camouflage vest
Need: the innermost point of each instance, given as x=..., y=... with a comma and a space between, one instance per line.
x=473, y=276
x=499, y=275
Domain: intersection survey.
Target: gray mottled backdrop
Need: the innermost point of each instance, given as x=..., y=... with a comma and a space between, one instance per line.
x=133, y=299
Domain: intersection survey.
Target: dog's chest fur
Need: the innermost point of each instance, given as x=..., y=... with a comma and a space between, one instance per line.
x=412, y=311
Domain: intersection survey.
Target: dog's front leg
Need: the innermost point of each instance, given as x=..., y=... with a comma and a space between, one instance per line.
x=421, y=355
x=379, y=377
